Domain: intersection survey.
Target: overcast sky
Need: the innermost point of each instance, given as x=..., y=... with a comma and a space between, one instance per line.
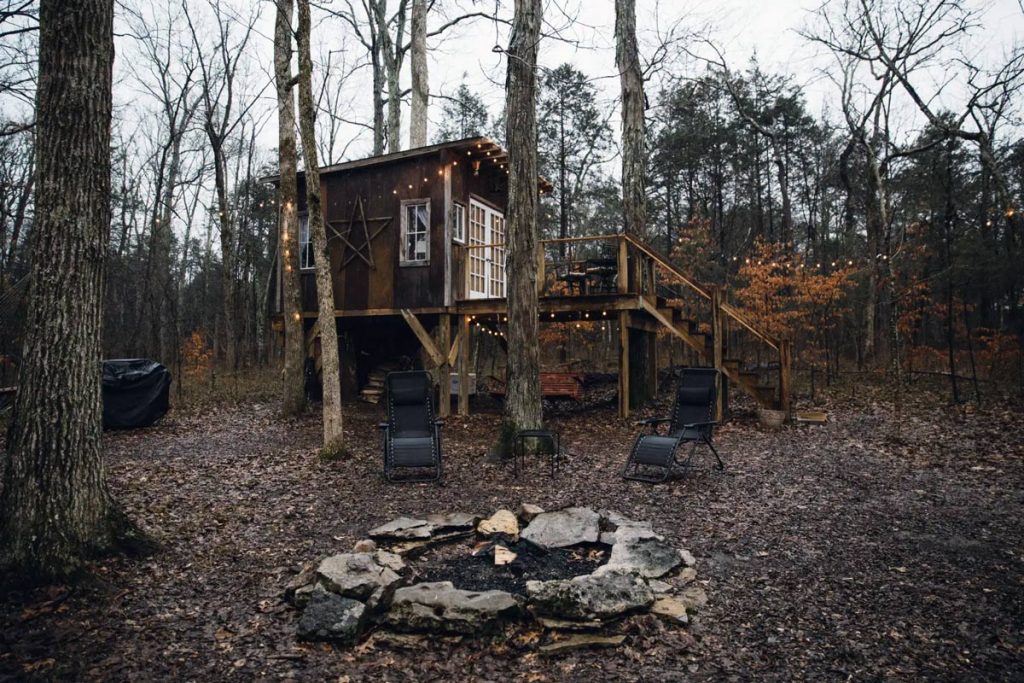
x=740, y=28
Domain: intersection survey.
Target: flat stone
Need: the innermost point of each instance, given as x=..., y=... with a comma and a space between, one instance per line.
x=580, y=641
x=636, y=553
x=528, y=511
x=611, y=537
x=605, y=597
x=331, y=617
x=612, y=520
x=301, y=596
x=570, y=624
x=660, y=587
x=403, y=528
x=563, y=528
x=503, y=555
x=453, y=521
x=671, y=610
x=694, y=598
x=364, y=546
x=440, y=607
x=688, y=559
x=501, y=522
x=390, y=560
x=355, y=575
x=687, y=575
x=305, y=577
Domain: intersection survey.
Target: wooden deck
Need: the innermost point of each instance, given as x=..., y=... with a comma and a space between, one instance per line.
x=653, y=295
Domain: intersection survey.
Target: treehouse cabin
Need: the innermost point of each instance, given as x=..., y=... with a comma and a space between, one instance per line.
x=417, y=249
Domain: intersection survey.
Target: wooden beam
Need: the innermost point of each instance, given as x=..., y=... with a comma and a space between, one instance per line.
x=785, y=378
x=717, y=330
x=687, y=338
x=453, y=353
x=444, y=334
x=421, y=333
x=623, y=266
x=463, y=340
x=624, y=364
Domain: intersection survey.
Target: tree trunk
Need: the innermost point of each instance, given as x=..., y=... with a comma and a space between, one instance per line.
x=55, y=508
x=333, y=436
x=294, y=395
x=420, y=82
x=378, y=99
x=227, y=247
x=634, y=157
x=523, y=400
x=392, y=53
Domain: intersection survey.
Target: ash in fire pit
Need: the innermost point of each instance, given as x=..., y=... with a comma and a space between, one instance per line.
x=571, y=569
x=479, y=571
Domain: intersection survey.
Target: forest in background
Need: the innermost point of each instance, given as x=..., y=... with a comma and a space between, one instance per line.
x=883, y=233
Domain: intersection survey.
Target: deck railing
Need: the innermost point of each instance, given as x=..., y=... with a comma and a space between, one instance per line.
x=641, y=270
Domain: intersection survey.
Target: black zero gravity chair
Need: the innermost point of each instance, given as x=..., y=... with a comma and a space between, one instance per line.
x=412, y=437
x=692, y=423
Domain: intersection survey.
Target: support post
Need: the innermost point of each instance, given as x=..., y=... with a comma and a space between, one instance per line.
x=444, y=335
x=623, y=266
x=716, y=341
x=464, y=366
x=623, y=362
x=785, y=378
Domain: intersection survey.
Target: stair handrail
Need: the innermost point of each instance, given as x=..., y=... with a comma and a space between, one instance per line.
x=728, y=309
x=664, y=263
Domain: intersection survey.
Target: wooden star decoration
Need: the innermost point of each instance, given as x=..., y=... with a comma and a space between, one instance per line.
x=343, y=230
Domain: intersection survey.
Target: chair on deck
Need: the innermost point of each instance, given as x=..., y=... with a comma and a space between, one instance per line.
x=692, y=422
x=412, y=437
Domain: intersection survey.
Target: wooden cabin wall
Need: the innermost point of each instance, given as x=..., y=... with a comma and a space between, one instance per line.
x=386, y=285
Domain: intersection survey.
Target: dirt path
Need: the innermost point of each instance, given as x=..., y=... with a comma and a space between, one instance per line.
x=828, y=553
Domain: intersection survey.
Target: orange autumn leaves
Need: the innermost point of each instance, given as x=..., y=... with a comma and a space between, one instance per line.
x=788, y=297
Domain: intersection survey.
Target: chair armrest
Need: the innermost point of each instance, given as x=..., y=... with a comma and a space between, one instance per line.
x=382, y=425
x=439, y=423
x=694, y=425
x=652, y=421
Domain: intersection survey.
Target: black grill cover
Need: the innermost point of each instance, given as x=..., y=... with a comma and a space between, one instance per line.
x=135, y=392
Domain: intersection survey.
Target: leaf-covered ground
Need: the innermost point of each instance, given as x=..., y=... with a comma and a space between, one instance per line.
x=852, y=551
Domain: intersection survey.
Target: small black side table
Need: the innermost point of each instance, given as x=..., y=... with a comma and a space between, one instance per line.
x=548, y=436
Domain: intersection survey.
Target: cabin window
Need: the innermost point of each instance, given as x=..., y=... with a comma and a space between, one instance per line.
x=459, y=223
x=415, y=232
x=305, y=245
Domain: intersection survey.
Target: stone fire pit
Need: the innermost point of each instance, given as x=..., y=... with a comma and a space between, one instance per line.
x=573, y=569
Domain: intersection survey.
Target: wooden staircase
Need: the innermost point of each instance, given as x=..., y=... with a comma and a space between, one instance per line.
x=711, y=345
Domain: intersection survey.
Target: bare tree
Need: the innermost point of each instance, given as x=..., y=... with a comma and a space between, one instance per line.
x=334, y=105
x=523, y=400
x=167, y=74
x=225, y=106
x=294, y=353
x=420, y=80
x=634, y=156
x=333, y=436
x=56, y=507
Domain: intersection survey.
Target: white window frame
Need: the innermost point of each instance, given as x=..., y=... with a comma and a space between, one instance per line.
x=402, y=260
x=459, y=222
x=306, y=256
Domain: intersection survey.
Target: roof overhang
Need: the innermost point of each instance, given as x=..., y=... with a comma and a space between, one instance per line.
x=482, y=149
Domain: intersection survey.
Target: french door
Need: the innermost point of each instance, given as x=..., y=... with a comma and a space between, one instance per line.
x=486, y=270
